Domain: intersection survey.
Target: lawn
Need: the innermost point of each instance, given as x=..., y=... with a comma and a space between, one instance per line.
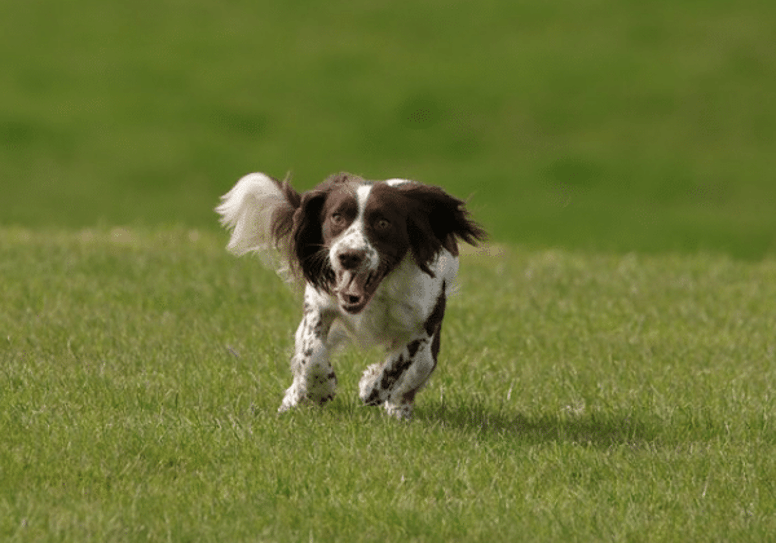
x=608, y=364
x=579, y=397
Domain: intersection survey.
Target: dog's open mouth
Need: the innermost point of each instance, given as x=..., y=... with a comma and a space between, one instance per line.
x=354, y=289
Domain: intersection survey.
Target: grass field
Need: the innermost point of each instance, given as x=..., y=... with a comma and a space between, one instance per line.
x=579, y=397
x=607, y=371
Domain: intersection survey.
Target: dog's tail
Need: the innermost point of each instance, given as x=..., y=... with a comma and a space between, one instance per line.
x=259, y=212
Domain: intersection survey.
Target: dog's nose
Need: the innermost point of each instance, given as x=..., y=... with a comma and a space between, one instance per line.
x=350, y=260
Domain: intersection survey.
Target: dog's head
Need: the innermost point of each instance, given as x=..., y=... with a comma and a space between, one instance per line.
x=349, y=234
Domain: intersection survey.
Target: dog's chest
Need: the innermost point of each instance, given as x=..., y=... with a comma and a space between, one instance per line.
x=399, y=308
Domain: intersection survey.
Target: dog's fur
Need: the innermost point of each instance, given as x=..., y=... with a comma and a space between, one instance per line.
x=379, y=259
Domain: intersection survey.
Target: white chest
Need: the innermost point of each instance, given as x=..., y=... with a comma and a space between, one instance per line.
x=401, y=305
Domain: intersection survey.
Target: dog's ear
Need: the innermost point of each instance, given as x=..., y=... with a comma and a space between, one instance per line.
x=307, y=243
x=435, y=220
x=282, y=221
x=308, y=254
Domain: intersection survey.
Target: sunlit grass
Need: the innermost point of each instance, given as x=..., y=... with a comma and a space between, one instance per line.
x=578, y=397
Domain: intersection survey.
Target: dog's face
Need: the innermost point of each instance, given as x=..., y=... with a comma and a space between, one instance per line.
x=365, y=232
x=350, y=234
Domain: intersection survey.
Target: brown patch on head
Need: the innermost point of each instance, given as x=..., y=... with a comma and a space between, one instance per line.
x=339, y=210
x=308, y=245
x=385, y=223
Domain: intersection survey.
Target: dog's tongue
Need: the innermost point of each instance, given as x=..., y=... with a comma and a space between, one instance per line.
x=352, y=284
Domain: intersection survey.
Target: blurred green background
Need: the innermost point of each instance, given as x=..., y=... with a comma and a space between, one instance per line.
x=590, y=124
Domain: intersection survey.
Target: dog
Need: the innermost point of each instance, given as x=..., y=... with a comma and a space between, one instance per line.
x=378, y=260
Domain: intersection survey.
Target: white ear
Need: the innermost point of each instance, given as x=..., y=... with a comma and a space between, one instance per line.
x=247, y=211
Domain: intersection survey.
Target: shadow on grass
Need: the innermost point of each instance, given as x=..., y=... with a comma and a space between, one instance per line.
x=595, y=429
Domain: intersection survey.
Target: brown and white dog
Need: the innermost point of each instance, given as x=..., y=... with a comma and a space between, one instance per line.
x=378, y=258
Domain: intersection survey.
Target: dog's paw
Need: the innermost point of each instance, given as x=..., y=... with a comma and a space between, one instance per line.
x=368, y=389
x=401, y=411
x=318, y=390
x=294, y=396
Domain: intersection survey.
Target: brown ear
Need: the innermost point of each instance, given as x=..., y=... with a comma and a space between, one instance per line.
x=283, y=215
x=309, y=256
x=436, y=221
x=308, y=251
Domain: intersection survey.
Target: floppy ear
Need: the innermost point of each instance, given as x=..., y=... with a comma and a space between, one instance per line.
x=283, y=216
x=435, y=221
x=307, y=240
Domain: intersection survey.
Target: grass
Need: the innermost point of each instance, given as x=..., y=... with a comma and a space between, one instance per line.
x=579, y=397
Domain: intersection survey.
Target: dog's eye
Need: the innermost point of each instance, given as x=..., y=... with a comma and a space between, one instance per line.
x=337, y=219
x=382, y=224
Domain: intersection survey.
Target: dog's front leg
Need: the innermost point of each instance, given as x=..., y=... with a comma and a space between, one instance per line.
x=395, y=382
x=314, y=378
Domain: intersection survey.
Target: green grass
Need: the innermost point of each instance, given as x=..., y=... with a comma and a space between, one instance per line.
x=611, y=126
x=579, y=397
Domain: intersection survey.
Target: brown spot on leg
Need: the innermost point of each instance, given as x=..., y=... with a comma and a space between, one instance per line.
x=434, y=320
x=436, y=344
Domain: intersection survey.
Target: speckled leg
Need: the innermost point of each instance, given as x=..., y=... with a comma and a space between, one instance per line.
x=395, y=382
x=314, y=378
